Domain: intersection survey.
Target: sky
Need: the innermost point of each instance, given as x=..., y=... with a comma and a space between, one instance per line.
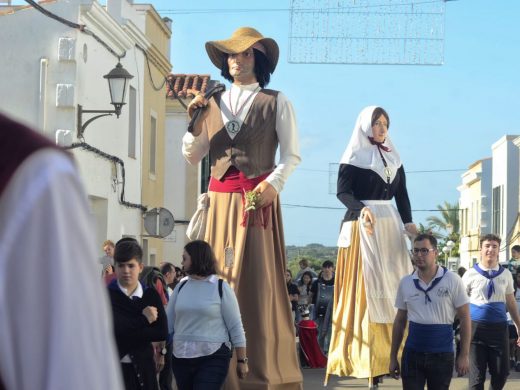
x=443, y=118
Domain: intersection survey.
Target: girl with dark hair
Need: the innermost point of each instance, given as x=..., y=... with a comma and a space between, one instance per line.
x=204, y=317
x=292, y=290
x=373, y=255
x=304, y=286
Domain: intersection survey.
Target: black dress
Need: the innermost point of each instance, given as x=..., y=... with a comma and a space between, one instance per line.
x=360, y=345
x=356, y=183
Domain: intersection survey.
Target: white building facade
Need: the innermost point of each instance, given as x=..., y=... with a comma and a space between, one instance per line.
x=505, y=191
x=489, y=200
x=50, y=68
x=475, y=209
x=183, y=183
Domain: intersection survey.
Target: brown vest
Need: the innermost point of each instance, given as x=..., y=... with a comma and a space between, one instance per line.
x=253, y=149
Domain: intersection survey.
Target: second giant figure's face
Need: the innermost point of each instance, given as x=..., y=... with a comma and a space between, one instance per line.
x=380, y=129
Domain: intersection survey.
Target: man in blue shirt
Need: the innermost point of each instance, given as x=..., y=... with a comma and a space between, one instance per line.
x=429, y=299
x=490, y=289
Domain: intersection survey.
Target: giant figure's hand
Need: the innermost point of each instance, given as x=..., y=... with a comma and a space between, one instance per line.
x=368, y=220
x=411, y=230
x=267, y=194
x=197, y=102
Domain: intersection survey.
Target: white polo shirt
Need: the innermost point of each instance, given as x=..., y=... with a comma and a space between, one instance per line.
x=483, y=309
x=446, y=297
x=477, y=285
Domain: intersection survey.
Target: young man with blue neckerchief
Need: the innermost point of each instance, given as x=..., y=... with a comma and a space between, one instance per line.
x=429, y=299
x=490, y=288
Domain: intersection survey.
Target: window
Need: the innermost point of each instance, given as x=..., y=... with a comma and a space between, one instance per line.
x=464, y=219
x=474, y=214
x=153, y=144
x=132, y=125
x=477, y=213
x=497, y=210
x=145, y=251
x=205, y=172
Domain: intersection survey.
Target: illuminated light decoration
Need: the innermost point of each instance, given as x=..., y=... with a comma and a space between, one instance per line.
x=378, y=32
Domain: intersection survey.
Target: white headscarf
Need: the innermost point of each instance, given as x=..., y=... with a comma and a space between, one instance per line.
x=362, y=154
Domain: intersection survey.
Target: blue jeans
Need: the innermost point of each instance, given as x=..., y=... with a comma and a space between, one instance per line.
x=202, y=373
x=420, y=368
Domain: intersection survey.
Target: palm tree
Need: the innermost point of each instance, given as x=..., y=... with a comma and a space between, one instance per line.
x=448, y=222
x=422, y=229
x=447, y=225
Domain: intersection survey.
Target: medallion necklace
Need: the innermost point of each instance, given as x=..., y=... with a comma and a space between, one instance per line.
x=233, y=126
x=387, y=170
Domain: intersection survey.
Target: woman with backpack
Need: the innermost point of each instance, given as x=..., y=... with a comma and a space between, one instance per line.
x=204, y=317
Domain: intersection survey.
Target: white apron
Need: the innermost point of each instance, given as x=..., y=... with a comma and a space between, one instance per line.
x=386, y=259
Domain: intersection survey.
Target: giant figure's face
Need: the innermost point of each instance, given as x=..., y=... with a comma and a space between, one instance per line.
x=380, y=129
x=242, y=66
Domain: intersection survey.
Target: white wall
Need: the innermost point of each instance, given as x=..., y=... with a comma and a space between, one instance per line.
x=27, y=37
x=176, y=191
x=505, y=172
x=486, y=191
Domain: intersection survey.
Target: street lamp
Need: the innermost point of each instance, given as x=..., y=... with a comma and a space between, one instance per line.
x=445, y=250
x=450, y=244
x=117, y=82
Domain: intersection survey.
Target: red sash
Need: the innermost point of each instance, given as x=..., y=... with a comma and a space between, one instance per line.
x=235, y=181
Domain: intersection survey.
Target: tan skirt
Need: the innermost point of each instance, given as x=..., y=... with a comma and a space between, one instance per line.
x=358, y=347
x=252, y=260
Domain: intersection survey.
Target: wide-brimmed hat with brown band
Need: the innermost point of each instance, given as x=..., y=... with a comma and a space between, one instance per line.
x=241, y=40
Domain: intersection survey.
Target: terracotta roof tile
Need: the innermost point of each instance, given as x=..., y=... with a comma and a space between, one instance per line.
x=186, y=86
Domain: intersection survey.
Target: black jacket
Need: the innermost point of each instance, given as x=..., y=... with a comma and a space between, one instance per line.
x=133, y=332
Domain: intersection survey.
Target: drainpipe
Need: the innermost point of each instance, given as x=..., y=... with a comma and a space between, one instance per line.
x=44, y=62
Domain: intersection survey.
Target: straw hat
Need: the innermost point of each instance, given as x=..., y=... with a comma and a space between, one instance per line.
x=241, y=40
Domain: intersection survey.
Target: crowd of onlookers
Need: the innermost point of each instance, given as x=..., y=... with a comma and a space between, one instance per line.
x=160, y=331
x=150, y=326
x=313, y=293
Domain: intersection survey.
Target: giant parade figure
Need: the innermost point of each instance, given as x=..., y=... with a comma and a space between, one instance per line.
x=241, y=130
x=373, y=254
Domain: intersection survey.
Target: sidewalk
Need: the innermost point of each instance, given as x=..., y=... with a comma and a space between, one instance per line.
x=313, y=379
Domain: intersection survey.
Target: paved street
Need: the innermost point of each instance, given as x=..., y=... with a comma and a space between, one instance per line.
x=313, y=379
